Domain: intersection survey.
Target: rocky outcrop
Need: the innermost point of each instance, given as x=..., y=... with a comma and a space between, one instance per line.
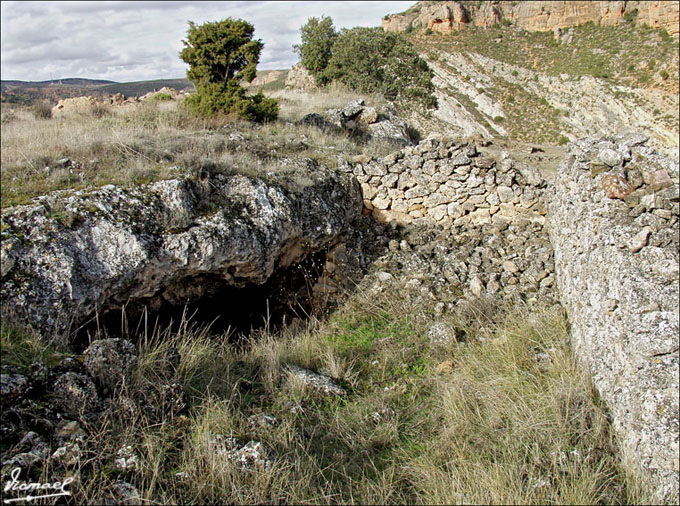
x=356, y=117
x=173, y=241
x=164, y=92
x=263, y=78
x=299, y=78
x=614, y=227
x=447, y=17
x=76, y=105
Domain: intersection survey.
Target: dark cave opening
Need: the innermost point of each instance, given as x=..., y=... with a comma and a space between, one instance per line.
x=236, y=311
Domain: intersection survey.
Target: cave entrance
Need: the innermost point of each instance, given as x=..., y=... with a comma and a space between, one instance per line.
x=285, y=298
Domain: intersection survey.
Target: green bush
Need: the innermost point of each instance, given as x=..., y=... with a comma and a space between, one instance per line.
x=498, y=119
x=229, y=98
x=506, y=22
x=663, y=74
x=221, y=55
x=369, y=60
x=318, y=37
x=161, y=97
x=562, y=140
x=631, y=16
x=429, y=31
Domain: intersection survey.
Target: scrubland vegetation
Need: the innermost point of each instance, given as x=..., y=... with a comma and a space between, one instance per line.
x=500, y=414
x=135, y=144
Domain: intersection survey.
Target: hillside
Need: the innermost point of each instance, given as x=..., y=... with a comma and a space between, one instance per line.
x=29, y=92
x=503, y=79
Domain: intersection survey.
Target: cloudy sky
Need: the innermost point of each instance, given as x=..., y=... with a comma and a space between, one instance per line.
x=135, y=41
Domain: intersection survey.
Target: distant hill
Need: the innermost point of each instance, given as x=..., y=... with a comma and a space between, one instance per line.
x=70, y=81
x=28, y=92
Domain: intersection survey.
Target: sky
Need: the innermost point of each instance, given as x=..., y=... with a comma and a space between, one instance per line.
x=137, y=41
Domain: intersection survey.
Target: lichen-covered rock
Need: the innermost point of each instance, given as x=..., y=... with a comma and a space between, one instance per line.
x=251, y=455
x=122, y=492
x=617, y=273
x=126, y=459
x=31, y=450
x=109, y=361
x=72, y=253
x=75, y=395
x=441, y=333
x=315, y=381
x=12, y=386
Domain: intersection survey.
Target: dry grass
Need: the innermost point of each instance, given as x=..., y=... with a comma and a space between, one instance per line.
x=137, y=144
x=505, y=416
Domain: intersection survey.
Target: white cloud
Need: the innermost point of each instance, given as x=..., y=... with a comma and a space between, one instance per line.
x=125, y=41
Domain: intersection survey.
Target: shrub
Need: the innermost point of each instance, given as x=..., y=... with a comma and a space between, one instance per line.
x=506, y=22
x=562, y=140
x=498, y=119
x=318, y=37
x=630, y=16
x=651, y=64
x=663, y=74
x=369, y=60
x=429, y=31
x=98, y=110
x=161, y=97
x=42, y=110
x=230, y=98
x=221, y=55
x=514, y=73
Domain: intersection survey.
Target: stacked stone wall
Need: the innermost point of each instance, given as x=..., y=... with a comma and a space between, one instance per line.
x=614, y=227
x=494, y=207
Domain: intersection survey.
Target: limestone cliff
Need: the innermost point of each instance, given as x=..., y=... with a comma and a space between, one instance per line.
x=447, y=17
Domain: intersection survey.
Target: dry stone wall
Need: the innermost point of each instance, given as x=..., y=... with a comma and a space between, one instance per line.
x=495, y=208
x=613, y=224
x=614, y=227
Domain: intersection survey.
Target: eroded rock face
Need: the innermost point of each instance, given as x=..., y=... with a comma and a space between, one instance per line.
x=533, y=15
x=616, y=261
x=67, y=255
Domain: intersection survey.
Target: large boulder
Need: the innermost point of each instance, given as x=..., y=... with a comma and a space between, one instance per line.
x=68, y=255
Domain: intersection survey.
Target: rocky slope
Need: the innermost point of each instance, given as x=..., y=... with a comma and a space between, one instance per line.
x=472, y=101
x=549, y=72
x=446, y=17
